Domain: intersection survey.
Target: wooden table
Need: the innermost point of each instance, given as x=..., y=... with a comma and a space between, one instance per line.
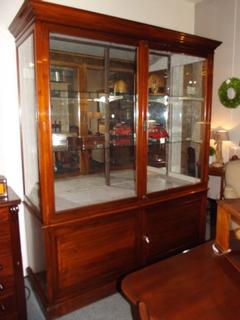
x=215, y=192
x=198, y=285
x=226, y=241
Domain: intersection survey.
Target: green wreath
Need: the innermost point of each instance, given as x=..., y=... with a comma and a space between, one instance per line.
x=234, y=84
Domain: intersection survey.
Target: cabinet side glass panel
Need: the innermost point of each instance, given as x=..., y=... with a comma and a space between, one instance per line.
x=29, y=120
x=175, y=120
x=93, y=121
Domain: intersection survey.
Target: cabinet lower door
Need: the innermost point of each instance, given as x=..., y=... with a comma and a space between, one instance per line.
x=171, y=226
x=91, y=254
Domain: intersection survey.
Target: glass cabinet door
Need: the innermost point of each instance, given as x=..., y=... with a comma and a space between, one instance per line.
x=29, y=121
x=93, y=121
x=175, y=120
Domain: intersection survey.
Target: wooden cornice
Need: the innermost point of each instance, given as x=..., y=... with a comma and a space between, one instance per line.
x=35, y=10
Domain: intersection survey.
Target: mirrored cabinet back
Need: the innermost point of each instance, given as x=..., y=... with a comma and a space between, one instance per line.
x=115, y=119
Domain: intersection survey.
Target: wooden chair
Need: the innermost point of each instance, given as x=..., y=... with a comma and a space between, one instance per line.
x=232, y=181
x=143, y=311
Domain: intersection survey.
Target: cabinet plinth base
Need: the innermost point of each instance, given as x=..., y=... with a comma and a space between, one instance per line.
x=69, y=303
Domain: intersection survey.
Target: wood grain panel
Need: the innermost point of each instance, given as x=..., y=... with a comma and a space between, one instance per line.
x=170, y=226
x=7, y=286
x=12, y=296
x=194, y=286
x=4, y=215
x=100, y=23
x=6, y=265
x=96, y=252
x=5, y=247
x=88, y=249
x=8, y=305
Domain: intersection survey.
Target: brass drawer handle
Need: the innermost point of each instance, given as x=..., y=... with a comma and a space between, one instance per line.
x=1, y=287
x=146, y=239
x=2, y=307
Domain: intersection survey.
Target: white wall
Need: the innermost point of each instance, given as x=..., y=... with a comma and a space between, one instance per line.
x=10, y=153
x=173, y=14
x=220, y=19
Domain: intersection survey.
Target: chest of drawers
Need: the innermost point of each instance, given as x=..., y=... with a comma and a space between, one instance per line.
x=12, y=296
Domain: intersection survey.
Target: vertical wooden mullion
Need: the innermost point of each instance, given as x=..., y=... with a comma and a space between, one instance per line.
x=44, y=122
x=168, y=91
x=142, y=104
x=107, y=116
x=45, y=141
x=83, y=112
x=207, y=116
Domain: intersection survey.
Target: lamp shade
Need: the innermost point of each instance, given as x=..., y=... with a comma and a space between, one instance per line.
x=120, y=86
x=222, y=134
x=219, y=136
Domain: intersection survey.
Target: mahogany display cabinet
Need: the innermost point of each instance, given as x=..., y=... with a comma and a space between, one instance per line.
x=115, y=119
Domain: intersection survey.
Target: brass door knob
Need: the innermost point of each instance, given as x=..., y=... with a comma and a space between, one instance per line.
x=146, y=239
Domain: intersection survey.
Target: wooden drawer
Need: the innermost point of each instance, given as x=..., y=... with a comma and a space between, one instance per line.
x=7, y=286
x=7, y=306
x=4, y=230
x=4, y=214
x=12, y=295
x=6, y=266
x=12, y=316
x=5, y=240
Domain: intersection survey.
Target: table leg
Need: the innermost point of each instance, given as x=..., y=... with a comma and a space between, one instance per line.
x=223, y=229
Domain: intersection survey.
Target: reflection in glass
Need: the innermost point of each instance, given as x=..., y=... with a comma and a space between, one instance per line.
x=28, y=119
x=175, y=120
x=93, y=128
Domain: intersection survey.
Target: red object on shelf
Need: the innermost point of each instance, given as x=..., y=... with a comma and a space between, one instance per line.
x=121, y=129
x=157, y=132
x=122, y=141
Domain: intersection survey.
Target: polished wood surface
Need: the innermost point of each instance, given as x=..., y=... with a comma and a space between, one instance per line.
x=43, y=17
x=223, y=228
x=216, y=171
x=232, y=206
x=143, y=311
x=166, y=228
x=12, y=294
x=86, y=255
x=113, y=235
x=90, y=257
x=196, y=285
x=226, y=240
x=11, y=200
x=123, y=29
x=141, y=143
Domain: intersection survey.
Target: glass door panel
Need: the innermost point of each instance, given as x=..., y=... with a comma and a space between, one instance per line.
x=29, y=120
x=175, y=120
x=93, y=127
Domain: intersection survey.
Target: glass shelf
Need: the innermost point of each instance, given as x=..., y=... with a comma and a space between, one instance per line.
x=175, y=126
x=98, y=121
x=186, y=98
x=102, y=116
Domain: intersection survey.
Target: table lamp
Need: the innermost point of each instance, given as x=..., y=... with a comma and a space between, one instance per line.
x=219, y=136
